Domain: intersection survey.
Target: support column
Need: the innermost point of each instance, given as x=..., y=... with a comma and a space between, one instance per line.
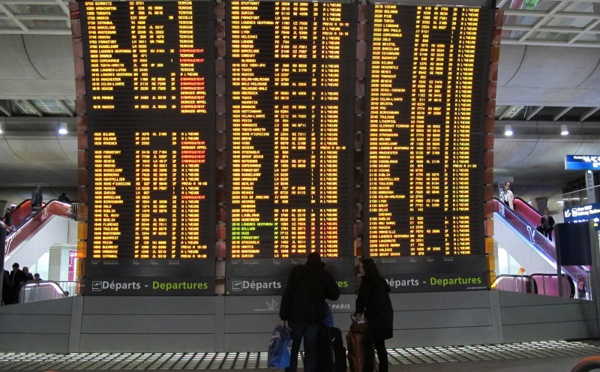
x=589, y=185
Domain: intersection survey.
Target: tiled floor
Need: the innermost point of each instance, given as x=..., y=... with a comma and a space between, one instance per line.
x=441, y=357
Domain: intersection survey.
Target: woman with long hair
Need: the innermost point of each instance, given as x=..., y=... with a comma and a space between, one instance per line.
x=373, y=302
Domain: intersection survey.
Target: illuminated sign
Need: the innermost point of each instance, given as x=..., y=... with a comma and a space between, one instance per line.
x=583, y=213
x=291, y=157
x=151, y=142
x=425, y=156
x=281, y=128
x=582, y=162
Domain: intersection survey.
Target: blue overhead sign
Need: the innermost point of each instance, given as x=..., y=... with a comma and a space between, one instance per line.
x=582, y=162
x=583, y=213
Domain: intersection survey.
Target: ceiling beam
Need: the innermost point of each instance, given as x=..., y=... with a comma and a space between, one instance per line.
x=29, y=106
x=12, y=17
x=66, y=109
x=589, y=113
x=562, y=113
x=534, y=112
x=591, y=26
x=5, y=110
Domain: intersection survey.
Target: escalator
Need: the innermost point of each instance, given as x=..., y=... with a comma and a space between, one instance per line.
x=516, y=232
x=36, y=232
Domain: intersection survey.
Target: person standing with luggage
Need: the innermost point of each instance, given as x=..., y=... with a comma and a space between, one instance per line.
x=373, y=302
x=303, y=308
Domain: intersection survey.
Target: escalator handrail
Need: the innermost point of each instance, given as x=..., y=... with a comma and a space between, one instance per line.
x=515, y=212
x=546, y=247
x=34, y=223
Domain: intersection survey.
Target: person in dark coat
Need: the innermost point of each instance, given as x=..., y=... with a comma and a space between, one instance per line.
x=547, y=223
x=63, y=198
x=6, y=288
x=373, y=302
x=36, y=200
x=17, y=278
x=303, y=308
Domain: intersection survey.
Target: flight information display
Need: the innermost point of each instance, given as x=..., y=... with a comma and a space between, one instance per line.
x=264, y=131
x=291, y=128
x=426, y=132
x=149, y=86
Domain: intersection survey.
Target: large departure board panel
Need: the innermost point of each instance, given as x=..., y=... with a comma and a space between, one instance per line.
x=425, y=138
x=292, y=89
x=266, y=130
x=150, y=88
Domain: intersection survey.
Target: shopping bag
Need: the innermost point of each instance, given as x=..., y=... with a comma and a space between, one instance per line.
x=280, y=347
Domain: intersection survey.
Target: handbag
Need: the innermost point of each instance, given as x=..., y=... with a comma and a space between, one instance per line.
x=359, y=326
x=280, y=347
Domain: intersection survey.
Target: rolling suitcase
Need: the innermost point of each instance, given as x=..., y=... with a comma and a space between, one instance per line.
x=331, y=354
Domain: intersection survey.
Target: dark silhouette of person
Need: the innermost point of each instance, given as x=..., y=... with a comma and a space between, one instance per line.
x=373, y=302
x=303, y=308
x=63, y=198
x=36, y=199
x=28, y=275
x=17, y=277
x=8, y=218
x=6, y=289
x=547, y=223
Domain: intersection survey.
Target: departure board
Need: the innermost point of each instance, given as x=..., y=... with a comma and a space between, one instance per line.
x=266, y=130
x=150, y=99
x=291, y=129
x=427, y=95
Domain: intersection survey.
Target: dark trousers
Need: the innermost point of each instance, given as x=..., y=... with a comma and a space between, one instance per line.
x=308, y=332
x=369, y=347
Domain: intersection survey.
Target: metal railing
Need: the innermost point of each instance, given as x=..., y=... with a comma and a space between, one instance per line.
x=40, y=291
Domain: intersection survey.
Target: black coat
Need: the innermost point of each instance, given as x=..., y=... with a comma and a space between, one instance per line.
x=373, y=301
x=304, y=297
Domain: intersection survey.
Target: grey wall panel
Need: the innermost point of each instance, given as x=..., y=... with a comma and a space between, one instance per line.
x=35, y=324
x=149, y=305
x=512, y=299
x=440, y=300
x=143, y=324
x=55, y=307
x=548, y=314
x=34, y=343
x=187, y=343
x=250, y=323
x=429, y=319
x=247, y=342
x=550, y=331
x=252, y=304
x=75, y=328
x=185, y=324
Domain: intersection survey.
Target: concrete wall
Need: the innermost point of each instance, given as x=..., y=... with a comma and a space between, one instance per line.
x=228, y=323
